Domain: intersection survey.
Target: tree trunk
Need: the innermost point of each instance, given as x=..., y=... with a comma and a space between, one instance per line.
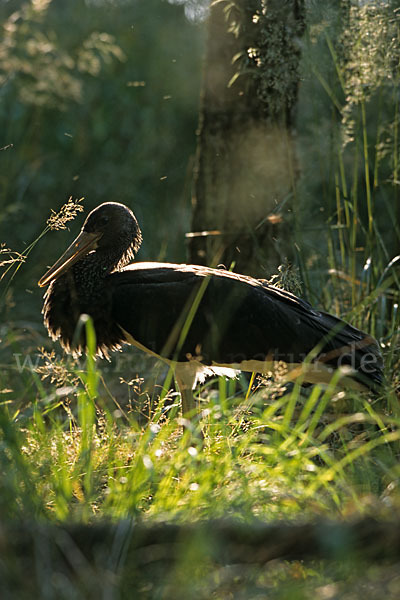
x=245, y=167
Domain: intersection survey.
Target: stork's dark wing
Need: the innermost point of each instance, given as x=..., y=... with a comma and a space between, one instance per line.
x=181, y=311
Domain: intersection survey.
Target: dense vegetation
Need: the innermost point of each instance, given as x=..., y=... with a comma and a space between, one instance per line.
x=99, y=100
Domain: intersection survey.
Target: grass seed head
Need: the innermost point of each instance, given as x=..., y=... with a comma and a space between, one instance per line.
x=67, y=212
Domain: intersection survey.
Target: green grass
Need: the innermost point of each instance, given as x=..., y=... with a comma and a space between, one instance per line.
x=87, y=456
x=78, y=446
x=267, y=453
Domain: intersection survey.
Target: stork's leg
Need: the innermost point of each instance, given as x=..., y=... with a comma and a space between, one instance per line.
x=185, y=378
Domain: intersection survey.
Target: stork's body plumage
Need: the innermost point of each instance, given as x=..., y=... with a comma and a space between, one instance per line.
x=197, y=318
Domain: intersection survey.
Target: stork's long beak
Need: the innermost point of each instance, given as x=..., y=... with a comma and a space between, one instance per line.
x=82, y=245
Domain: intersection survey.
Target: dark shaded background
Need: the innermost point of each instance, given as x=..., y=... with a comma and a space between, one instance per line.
x=99, y=100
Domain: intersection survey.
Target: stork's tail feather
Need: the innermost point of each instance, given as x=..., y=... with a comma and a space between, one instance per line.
x=349, y=347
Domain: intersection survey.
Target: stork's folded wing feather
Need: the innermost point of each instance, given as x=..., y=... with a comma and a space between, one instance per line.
x=183, y=311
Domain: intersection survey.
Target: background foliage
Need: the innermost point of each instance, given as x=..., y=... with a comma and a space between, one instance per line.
x=99, y=100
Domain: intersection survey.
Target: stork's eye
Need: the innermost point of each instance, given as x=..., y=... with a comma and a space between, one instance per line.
x=103, y=220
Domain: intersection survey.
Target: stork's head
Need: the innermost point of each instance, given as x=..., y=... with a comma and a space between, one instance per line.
x=111, y=229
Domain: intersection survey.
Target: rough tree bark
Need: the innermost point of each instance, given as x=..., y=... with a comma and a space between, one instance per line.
x=245, y=167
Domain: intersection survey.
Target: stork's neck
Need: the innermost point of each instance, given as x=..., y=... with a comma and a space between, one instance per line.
x=90, y=272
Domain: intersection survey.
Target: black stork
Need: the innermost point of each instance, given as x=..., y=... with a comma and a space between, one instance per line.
x=199, y=320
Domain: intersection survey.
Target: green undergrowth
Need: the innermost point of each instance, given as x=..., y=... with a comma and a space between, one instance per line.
x=254, y=449
x=84, y=446
x=269, y=451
